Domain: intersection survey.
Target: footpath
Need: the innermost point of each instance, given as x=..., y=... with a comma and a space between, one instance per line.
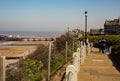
x=98, y=67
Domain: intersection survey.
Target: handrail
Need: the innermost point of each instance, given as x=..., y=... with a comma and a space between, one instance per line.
x=70, y=74
x=78, y=59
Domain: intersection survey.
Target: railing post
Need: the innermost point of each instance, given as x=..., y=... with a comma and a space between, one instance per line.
x=73, y=47
x=71, y=73
x=75, y=60
x=49, y=59
x=91, y=46
x=82, y=54
x=88, y=49
x=79, y=56
x=81, y=43
x=2, y=68
x=66, y=51
x=85, y=51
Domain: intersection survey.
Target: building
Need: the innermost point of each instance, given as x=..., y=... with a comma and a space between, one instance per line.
x=112, y=26
x=96, y=31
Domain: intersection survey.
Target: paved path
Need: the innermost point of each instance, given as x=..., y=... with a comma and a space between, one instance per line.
x=98, y=67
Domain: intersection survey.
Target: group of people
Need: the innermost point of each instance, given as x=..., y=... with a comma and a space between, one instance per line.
x=104, y=45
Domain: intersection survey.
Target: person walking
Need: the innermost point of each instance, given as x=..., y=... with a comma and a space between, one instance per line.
x=100, y=45
x=103, y=45
x=86, y=41
x=109, y=46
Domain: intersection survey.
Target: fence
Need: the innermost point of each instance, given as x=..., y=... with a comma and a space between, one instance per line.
x=71, y=71
x=78, y=59
x=9, y=66
x=2, y=68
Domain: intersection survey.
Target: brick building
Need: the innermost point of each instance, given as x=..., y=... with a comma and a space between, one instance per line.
x=112, y=26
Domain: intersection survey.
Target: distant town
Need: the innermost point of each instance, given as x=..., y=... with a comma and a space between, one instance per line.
x=110, y=27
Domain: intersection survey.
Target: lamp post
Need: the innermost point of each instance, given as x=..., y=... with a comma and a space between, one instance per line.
x=86, y=43
x=68, y=36
x=86, y=23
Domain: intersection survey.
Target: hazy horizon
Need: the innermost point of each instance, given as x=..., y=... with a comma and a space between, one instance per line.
x=55, y=15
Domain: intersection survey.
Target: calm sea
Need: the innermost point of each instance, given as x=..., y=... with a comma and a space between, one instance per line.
x=29, y=33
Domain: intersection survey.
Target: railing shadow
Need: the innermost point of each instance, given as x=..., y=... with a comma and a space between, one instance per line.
x=114, y=62
x=63, y=77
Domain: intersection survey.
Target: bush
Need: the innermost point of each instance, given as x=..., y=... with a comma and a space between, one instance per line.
x=61, y=41
x=29, y=71
x=115, y=44
x=34, y=67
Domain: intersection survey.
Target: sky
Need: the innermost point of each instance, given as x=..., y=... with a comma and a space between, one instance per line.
x=55, y=15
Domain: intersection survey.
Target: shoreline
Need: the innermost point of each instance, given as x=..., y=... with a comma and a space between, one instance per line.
x=31, y=34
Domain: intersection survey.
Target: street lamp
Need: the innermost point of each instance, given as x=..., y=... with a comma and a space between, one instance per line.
x=86, y=23
x=86, y=41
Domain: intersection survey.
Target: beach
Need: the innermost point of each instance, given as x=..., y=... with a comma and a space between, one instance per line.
x=18, y=49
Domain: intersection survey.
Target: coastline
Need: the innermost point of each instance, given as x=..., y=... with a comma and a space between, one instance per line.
x=44, y=34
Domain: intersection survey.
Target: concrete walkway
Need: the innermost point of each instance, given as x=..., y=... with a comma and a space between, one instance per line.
x=98, y=67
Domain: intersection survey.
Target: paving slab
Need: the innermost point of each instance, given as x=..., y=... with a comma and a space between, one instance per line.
x=98, y=67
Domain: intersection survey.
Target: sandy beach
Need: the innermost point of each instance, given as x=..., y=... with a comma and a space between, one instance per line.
x=18, y=48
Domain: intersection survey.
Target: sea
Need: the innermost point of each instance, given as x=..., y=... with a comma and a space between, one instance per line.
x=45, y=34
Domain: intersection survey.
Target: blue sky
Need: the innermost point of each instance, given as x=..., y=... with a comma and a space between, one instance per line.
x=55, y=15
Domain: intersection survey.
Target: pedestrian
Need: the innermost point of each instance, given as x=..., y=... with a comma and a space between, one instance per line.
x=103, y=45
x=86, y=41
x=99, y=45
x=109, y=46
